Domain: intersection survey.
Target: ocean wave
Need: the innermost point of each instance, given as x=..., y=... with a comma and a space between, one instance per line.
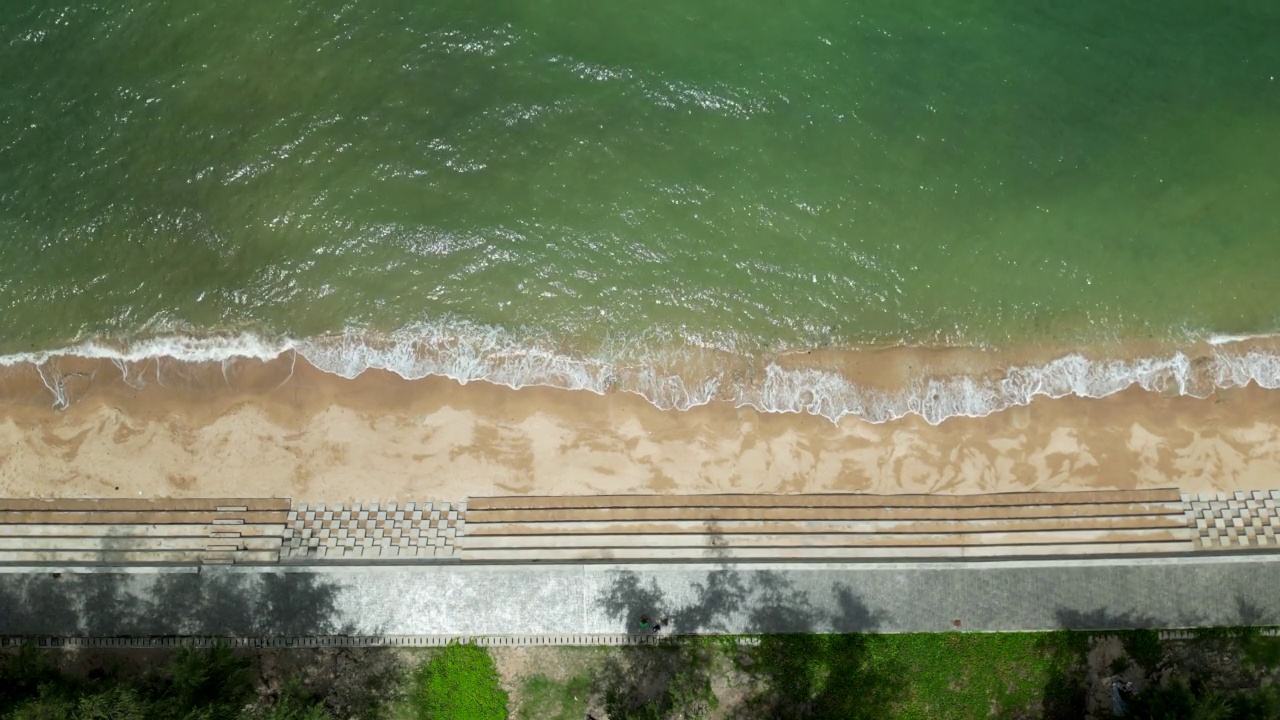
x=936, y=399
x=683, y=378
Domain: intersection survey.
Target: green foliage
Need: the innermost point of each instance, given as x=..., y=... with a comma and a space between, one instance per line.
x=116, y=703
x=691, y=694
x=23, y=674
x=45, y=705
x=546, y=699
x=1061, y=663
x=1119, y=665
x=1229, y=633
x=1143, y=647
x=1261, y=651
x=1263, y=702
x=459, y=683
x=293, y=704
x=211, y=684
x=1197, y=701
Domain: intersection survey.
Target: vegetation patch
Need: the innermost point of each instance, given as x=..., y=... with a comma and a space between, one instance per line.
x=213, y=684
x=458, y=683
x=1228, y=674
x=917, y=675
x=1143, y=647
x=1199, y=700
x=672, y=680
x=545, y=699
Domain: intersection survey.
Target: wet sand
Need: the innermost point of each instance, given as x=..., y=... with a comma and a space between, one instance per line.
x=283, y=428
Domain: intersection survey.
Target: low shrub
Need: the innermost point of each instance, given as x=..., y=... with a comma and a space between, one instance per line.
x=458, y=683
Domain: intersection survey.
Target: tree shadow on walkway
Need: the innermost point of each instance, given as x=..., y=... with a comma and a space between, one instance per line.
x=207, y=603
x=797, y=669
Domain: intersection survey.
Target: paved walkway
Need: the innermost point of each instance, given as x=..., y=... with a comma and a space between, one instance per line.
x=459, y=599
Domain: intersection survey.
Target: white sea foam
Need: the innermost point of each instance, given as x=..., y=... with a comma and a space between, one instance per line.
x=830, y=395
x=216, y=348
x=669, y=381
x=1231, y=339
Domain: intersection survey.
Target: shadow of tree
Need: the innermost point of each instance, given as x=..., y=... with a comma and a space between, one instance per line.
x=1102, y=619
x=1063, y=695
x=205, y=603
x=1065, y=691
x=214, y=682
x=716, y=598
x=30, y=603
x=210, y=603
x=854, y=615
x=355, y=683
x=818, y=676
x=778, y=606
x=663, y=678
x=800, y=673
x=796, y=670
x=727, y=599
x=1252, y=615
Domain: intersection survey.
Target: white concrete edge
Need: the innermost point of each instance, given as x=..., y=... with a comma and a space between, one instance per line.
x=585, y=568
x=429, y=641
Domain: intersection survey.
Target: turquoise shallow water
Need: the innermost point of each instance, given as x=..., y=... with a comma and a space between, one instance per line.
x=748, y=176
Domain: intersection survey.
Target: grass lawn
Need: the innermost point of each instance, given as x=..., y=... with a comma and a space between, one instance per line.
x=545, y=699
x=977, y=675
x=914, y=676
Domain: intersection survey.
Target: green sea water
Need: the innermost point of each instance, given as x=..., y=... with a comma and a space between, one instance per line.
x=741, y=175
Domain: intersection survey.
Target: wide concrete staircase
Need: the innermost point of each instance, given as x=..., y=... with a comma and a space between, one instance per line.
x=142, y=532
x=829, y=527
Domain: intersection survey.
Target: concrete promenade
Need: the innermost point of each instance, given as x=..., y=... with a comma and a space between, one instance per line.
x=534, y=599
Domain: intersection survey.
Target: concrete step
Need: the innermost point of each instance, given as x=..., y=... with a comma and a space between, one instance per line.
x=700, y=527
x=819, y=553
x=58, y=517
x=824, y=513
x=823, y=500
x=473, y=542
x=142, y=505
x=151, y=544
x=176, y=530
x=130, y=557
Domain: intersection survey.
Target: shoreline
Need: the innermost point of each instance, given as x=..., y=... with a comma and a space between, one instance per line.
x=874, y=384
x=284, y=428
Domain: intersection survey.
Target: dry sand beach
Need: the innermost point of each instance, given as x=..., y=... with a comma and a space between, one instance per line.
x=283, y=428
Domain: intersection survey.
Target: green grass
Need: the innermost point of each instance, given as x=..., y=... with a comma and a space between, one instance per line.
x=1260, y=651
x=969, y=676
x=458, y=683
x=918, y=676
x=542, y=698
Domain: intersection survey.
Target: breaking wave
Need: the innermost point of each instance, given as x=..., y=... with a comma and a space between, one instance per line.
x=683, y=378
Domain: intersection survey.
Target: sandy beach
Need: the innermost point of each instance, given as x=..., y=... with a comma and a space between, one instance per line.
x=283, y=428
